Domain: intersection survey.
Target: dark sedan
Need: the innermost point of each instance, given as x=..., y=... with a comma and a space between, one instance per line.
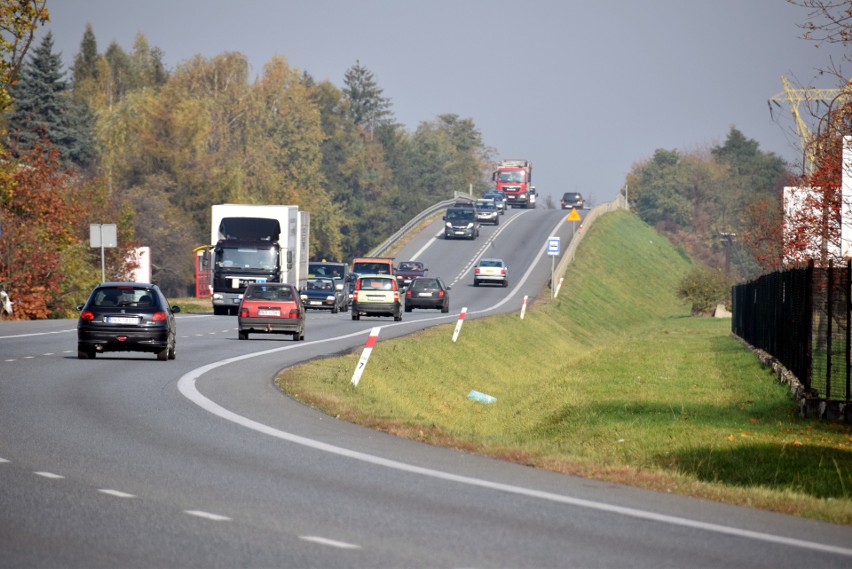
x=325, y=293
x=126, y=317
x=427, y=292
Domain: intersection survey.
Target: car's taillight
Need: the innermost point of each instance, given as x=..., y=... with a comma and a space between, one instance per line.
x=440, y=294
x=502, y=271
x=477, y=270
x=159, y=316
x=408, y=293
x=87, y=315
x=294, y=313
x=244, y=313
x=396, y=296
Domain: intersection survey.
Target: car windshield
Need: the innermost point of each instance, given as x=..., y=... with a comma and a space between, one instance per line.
x=512, y=176
x=320, y=284
x=370, y=268
x=267, y=292
x=460, y=215
x=245, y=258
x=124, y=296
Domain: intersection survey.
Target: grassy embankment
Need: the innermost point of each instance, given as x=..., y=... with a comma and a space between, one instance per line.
x=613, y=380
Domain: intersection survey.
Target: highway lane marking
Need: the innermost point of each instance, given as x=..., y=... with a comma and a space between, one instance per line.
x=116, y=493
x=207, y=515
x=50, y=475
x=187, y=387
x=331, y=542
x=2, y=460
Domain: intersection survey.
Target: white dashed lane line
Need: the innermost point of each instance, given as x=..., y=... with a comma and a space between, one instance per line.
x=207, y=515
x=116, y=493
x=329, y=542
x=50, y=475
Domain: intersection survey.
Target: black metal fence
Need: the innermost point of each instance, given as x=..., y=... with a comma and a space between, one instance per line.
x=801, y=317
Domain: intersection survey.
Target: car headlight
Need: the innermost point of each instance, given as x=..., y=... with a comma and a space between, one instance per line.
x=449, y=225
x=330, y=297
x=303, y=296
x=470, y=225
x=217, y=296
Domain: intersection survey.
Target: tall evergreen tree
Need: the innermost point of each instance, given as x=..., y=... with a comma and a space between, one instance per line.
x=368, y=107
x=86, y=62
x=44, y=112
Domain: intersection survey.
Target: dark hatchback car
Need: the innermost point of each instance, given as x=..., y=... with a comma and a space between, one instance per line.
x=126, y=317
x=572, y=199
x=427, y=292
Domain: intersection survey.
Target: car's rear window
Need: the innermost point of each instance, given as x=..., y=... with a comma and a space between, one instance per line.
x=424, y=284
x=487, y=263
x=269, y=293
x=376, y=284
x=125, y=296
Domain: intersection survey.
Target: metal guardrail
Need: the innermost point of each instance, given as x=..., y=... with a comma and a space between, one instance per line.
x=414, y=222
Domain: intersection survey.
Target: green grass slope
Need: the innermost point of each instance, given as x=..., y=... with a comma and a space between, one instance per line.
x=612, y=380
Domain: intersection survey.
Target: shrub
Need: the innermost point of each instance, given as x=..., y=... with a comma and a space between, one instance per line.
x=705, y=288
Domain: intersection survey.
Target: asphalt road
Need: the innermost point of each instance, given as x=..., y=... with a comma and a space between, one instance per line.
x=125, y=461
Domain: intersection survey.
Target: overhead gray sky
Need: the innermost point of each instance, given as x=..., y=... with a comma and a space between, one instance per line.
x=583, y=89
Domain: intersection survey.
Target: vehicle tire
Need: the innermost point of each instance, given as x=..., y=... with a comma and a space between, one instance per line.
x=445, y=308
x=334, y=308
x=173, y=351
x=85, y=354
x=356, y=316
x=163, y=354
x=242, y=335
x=407, y=308
x=299, y=336
x=220, y=310
x=505, y=283
x=496, y=221
x=397, y=317
x=475, y=282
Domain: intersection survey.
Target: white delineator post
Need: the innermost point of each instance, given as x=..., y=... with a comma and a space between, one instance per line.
x=558, y=286
x=365, y=355
x=459, y=323
x=524, y=307
x=846, y=199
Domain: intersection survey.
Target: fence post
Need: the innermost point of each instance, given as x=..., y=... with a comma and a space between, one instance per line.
x=809, y=327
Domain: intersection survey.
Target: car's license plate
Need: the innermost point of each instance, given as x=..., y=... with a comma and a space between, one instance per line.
x=268, y=312
x=314, y=302
x=425, y=294
x=375, y=297
x=122, y=320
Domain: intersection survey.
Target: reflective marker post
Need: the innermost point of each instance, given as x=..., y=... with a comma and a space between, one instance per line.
x=459, y=323
x=365, y=355
x=524, y=307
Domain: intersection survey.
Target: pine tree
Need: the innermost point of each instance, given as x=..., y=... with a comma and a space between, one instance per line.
x=368, y=108
x=44, y=112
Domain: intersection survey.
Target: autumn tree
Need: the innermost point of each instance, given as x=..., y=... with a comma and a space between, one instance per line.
x=19, y=21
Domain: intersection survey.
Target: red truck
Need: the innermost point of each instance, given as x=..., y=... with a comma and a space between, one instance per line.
x=514, y=179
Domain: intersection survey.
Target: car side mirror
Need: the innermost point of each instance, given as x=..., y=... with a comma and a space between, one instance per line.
x=176, y=309
x=80, y=306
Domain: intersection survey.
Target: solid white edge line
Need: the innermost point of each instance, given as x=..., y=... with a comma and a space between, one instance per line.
x=331, y=542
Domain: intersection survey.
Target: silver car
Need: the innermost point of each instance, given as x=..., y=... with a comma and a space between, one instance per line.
x=493, y=271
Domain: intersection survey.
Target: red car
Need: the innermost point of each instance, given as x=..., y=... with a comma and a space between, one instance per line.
x=271, y=308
